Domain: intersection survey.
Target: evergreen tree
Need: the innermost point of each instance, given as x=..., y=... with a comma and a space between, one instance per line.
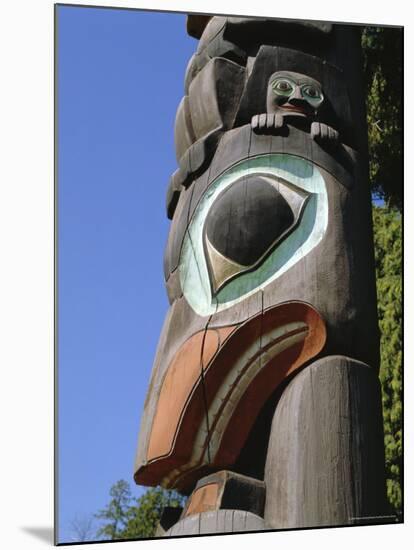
x=128, y=517
x=382, y=50
x=145, y=515
x=388, y=256
x=116, y=514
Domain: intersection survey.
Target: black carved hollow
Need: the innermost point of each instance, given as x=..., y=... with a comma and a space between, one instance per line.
x=246, y=219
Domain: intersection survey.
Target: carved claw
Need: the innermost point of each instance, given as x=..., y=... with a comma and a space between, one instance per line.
x=267, y=123
x=324, y=133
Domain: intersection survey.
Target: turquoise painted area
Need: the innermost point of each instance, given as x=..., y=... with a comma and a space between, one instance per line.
x=293, y=171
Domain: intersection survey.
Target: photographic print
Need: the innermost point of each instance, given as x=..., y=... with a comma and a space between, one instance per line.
x=228, y=274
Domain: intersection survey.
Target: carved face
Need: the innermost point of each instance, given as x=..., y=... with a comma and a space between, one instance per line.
x=293, y=93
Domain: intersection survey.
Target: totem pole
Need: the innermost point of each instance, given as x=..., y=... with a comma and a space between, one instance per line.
x=264, y=403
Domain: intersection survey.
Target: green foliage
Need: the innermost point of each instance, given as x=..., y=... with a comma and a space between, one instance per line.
x=145, y=515
x=116, y=513
x=382, y=51
x=128, y=517
x=388, y=256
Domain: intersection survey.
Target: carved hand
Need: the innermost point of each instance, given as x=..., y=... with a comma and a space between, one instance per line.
x=267, y=123
x=323, y=133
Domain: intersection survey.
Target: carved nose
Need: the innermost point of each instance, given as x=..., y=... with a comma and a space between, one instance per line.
x=297, y=94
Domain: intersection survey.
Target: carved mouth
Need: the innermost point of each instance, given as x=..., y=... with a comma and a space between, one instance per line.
x=245, y=369
x=296, y=110
x=205, y=425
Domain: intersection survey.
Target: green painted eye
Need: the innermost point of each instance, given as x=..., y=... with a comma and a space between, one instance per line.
x=283, y=87
x=312, y=93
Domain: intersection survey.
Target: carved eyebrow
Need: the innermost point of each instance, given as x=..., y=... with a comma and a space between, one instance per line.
x=299, y=82
x=310, y=82
x=282, y=77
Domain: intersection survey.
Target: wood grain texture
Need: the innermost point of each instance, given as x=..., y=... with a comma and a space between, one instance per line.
x=325, y=458
x=205, y=114
x=226, y=490
x=274, y=368
x=181, y=377
x=177, y=230
x=345, y=254
x=339, y=276
x=173, y=286
x=203, y=499
x=325, y=461
x=213, y=44
x=201, y=153
x=220, y=521
x=183, y=129
x=203, y=408
x=233, y=41
x=180, y=324
x=173, y=194
x=241, y=143
x=214, y=96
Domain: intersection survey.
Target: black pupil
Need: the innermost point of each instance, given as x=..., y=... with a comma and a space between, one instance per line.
x=247, y=218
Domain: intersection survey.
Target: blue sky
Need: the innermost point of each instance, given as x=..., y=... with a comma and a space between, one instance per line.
x=120, y=79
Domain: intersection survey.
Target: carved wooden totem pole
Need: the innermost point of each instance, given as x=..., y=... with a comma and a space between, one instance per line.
x=264, y=403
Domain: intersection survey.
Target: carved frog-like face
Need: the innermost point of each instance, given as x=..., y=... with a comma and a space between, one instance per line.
x=294, y=94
